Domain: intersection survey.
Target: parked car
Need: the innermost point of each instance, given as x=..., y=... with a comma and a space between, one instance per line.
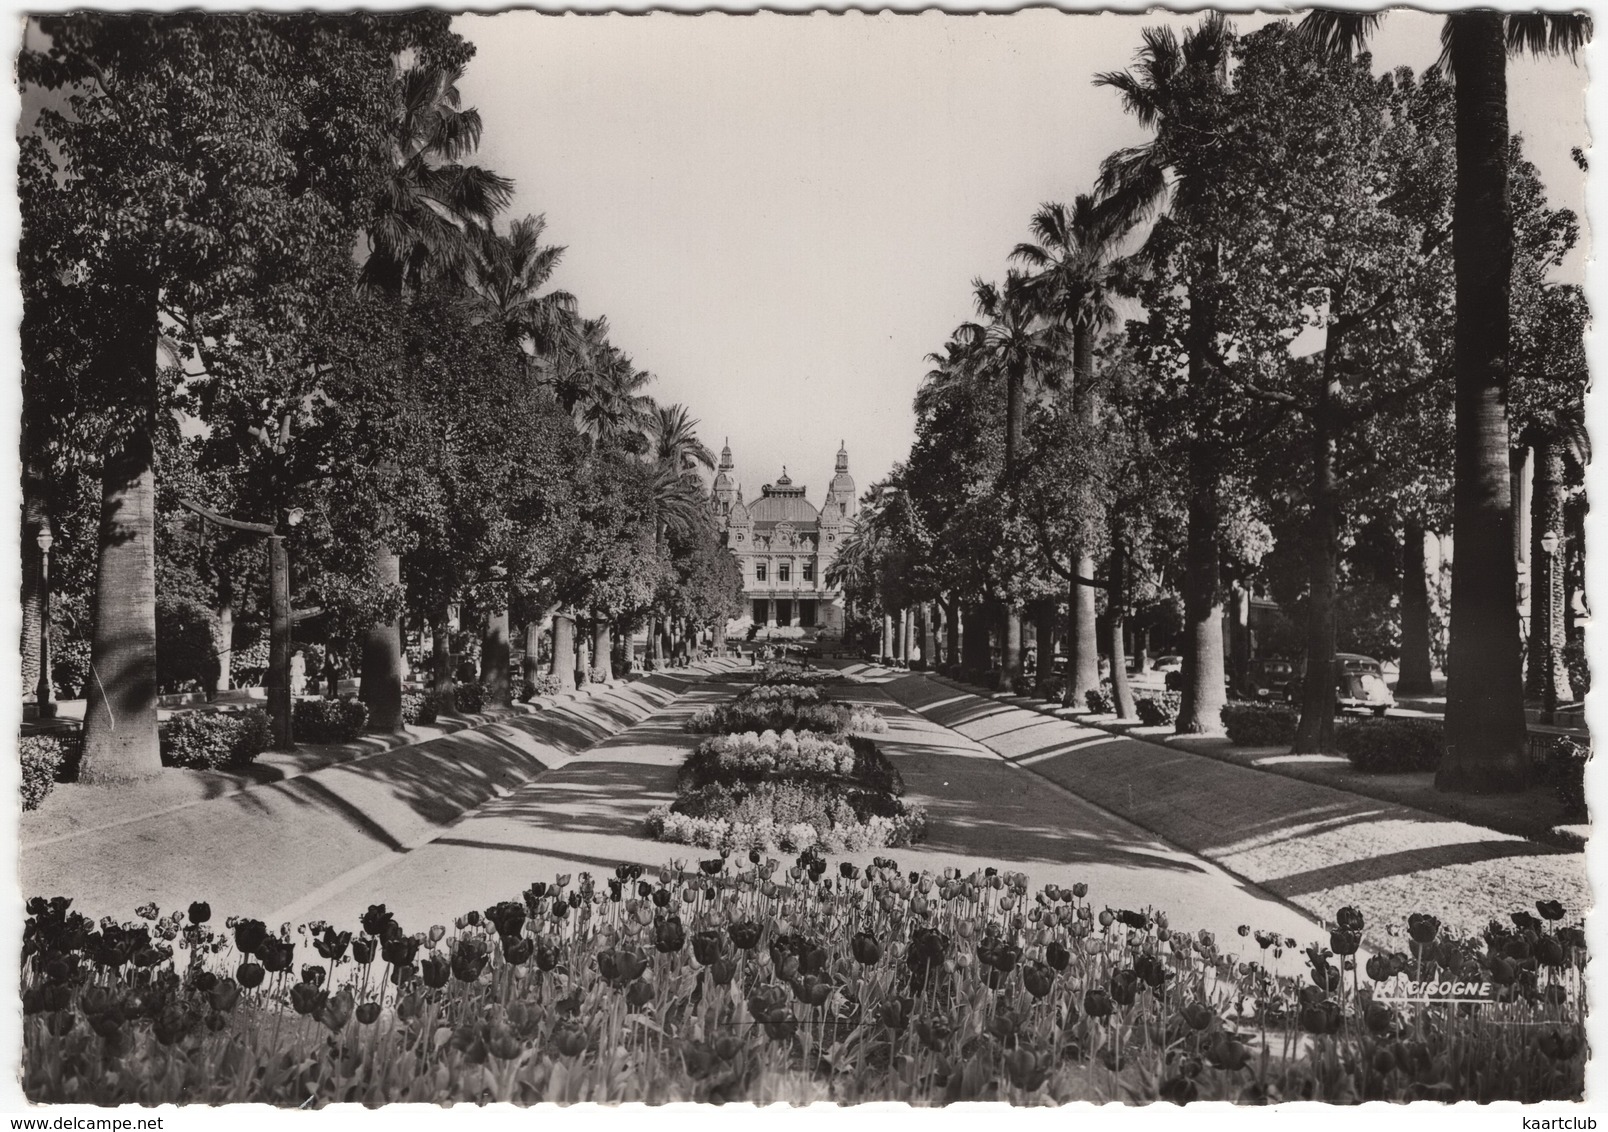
x=1362, y=684
x=1270, y=678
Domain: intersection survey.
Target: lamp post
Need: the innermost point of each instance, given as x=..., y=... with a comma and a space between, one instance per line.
x=1549, y=703
x=279, y=616
x=44, y=704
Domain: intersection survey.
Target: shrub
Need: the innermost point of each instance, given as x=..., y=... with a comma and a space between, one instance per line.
x=1574, y=656
x=185, y=649
x=330, y=721
x=1566, y=774
x=216, y=740
x=831, y=719
x=46, y=759
x=544, y=685
x=1260, y=725
x=1158, y=711
x=1391, y=746
x=1021, y=685
x=470, y=697
x=1052, y=688
x=599, y=675
x=1100, y=700
x=418, y=708
x=779, y=693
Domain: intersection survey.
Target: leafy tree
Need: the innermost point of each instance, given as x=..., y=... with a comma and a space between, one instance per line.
x=1485, y=724
x=199, y=163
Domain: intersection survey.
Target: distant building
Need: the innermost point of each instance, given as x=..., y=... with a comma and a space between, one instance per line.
x=784, y=546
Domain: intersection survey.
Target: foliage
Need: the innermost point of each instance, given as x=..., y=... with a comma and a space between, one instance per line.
x=1391, y=746
x=1100, y=700
x=1574, y=655
x=1260, y=725
x=544, y=685
x=185, y=647
x=755, y=989
x=418, y=709
x=750, y=757
x=1566, y=772
x=1157, y=711
x=46, y=759
x=222, y=740
x=830, y=719
x=329, y=721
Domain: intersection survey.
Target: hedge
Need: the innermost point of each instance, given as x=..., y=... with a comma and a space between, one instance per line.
x=1566, y=774
x=418, y=708
x=1391, y=746
x=215, y=740
x=330, y=721
x=1260, y=725
x=1100, y=700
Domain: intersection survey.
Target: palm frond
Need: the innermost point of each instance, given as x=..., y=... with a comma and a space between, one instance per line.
x=1548, y=33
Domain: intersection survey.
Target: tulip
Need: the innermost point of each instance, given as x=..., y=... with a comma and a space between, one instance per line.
x=201, y=912
x=250, y=975
x=866, y=948
x=1550, y=909
x=305, y=998
x=311, y=974
x=1097, y=1003
x=1198, y=1015
x=368, y=1013
x=1349, y=919
x=363, y=951
x=1038, y=979
x=1057, y=956
x=669, y=935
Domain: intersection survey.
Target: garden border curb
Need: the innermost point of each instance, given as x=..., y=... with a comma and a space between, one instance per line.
x=1556, y=836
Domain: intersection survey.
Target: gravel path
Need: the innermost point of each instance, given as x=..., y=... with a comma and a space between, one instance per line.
x=1315, y=846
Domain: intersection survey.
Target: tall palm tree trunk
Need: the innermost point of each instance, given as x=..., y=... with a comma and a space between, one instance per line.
x=1546, y=572
x=1315, y=732
x=220, y=670
x=120, y=736
x=1415, y=679
x=1044, y=629
x=380, y=680
x=1083, y=643
x=1485, y=725
x=1201, y=705
x=530, y=666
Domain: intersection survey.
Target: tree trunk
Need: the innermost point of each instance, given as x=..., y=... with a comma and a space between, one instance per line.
x=1415, y=679
x=1201, y=706
x=120, y=736
x=1015, y=415
x=1011, y=660
x=445, y=686
x=952, y=632
x=531, y=666
x=1044, y=626
x=380, y=681
x=222, y=640
x=1117, y=610
x=1083, y=639
x=1485, y=724
x=494, y=655
x=563, y=662
x=602, y=649
x=1547, y=590
x=1315, y=733
x=35, y=513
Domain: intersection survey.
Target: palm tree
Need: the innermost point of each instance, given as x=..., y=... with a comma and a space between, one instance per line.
x=1017, y=345
x=613, y=406
x=425, y=212
x=430, y=199
x=674, y=447
x=1173, y=89
x=507, y=277
x=1485, y=724
x=1076, y=266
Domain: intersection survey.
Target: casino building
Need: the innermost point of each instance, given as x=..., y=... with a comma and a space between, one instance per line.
x=784, y=546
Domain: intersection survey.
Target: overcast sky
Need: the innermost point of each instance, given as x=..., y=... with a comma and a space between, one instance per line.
x=782, y=215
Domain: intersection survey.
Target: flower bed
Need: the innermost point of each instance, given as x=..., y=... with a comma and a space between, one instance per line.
x=749, y=757
x=791, y=672
x=787, y=715
x=736, y=980
x=784, y=693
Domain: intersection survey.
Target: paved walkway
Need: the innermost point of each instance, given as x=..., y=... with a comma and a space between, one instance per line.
x=982, y=810
x=256, y=848
x=1315, y=846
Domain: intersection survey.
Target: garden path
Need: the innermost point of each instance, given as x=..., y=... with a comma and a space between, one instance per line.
x=588, y=815
x=1318, y=847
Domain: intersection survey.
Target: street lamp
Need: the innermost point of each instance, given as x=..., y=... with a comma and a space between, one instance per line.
x=44, y=704
x=1549, y=705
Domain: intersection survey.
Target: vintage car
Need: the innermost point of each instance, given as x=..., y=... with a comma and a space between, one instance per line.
x=1362, y=684
x=1270, y=678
